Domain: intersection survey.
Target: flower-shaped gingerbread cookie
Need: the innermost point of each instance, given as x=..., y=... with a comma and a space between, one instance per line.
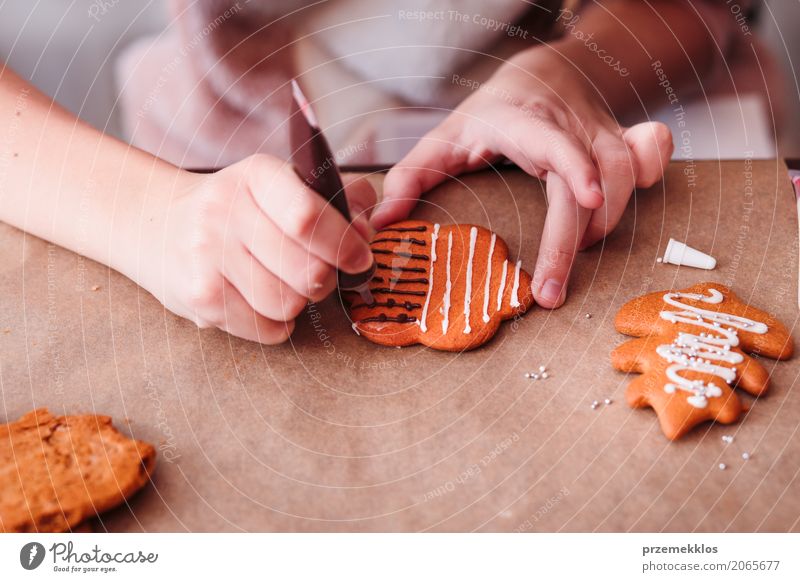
x=691, y=349
x=447, y=287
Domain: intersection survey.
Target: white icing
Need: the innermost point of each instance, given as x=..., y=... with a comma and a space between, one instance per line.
x=448, y=286
x=713, y=316
x=515, y=289
x=502, y=285
x=487, y=285
x=355, y=328
x=692, y=352
x=423, y=320
x=473, y=237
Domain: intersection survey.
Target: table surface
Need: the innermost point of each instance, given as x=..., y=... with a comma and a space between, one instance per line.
x=331, y=433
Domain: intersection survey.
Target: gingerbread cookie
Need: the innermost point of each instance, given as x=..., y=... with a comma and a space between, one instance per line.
x=55, y=472
x=692, y=348
x=447, y=287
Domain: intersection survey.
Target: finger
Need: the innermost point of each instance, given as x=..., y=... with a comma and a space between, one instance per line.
x=563, y=229
x=361, y=200
x=652, y=147
x=540, y=145
x=436, y=157
x=239, y=319
x=305, y=217
x=639, y=159
x=618, y=171
x=263, y=291
x=304, y=272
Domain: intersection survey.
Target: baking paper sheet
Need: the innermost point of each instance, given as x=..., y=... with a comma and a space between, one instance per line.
x=332, y=433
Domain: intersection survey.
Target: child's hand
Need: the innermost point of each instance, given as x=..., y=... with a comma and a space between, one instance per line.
x=246, y=248
x=540, y=114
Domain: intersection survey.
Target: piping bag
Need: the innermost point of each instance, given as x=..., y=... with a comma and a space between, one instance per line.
x=315, y=164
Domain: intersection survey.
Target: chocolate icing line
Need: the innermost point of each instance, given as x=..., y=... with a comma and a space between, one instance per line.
x=383, y=318
x=387, y=291
x=448, y=286
x=487, y=286
x=390, y=303
x=502, y=285
x=405, y=229
x=473, y=237
x=423, y=321
x=401, y=254
x=396, y=280
x=413, y=241
x=385, y=267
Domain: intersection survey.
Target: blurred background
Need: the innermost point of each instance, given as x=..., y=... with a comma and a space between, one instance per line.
x=69, y=50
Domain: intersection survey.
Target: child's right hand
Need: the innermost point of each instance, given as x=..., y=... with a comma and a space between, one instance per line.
x=246, y=248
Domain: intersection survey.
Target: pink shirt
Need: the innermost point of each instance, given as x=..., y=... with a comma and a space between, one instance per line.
x=213, y=87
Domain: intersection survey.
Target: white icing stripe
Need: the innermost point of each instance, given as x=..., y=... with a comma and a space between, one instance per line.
x=473, y=236
x=487, y=286
x=515, y=289
x=423, y=320
x=448, y=286
x=502, y=285
x=691, y=352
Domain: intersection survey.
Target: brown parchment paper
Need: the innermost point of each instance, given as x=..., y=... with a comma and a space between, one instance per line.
x=332, y=433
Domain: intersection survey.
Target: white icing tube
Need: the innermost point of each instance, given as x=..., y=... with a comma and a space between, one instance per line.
x=679, y=253
x=473, y=237
x=515, y=289
x=488, y=285
x=423, y=320
x=448, y=286
x=502, y=285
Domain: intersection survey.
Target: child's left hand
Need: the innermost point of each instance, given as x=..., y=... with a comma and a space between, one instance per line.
x=538, y=112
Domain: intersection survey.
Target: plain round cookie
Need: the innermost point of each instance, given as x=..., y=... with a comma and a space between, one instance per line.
x=58, y=471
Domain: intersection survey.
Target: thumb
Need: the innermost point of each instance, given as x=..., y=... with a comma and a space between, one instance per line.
x=651, y=146
x=436, y=157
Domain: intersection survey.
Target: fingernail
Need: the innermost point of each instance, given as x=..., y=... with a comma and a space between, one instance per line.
x=551, y=291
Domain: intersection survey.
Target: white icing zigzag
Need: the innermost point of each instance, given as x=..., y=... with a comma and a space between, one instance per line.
x=699, y=352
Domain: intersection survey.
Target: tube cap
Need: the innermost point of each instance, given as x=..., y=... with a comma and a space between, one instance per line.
x=681, y=254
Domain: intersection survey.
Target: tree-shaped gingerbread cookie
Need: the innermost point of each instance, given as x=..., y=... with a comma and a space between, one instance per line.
x=692, y=349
